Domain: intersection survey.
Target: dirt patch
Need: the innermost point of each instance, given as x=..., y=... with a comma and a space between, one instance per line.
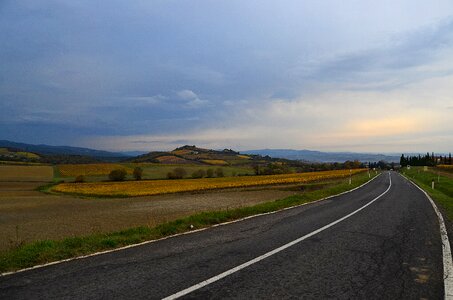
x=28, y=215
x=26, y=173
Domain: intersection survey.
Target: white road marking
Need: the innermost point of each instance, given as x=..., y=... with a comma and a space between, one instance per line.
x=178, y=234
x=270, y=253
x=446, y=251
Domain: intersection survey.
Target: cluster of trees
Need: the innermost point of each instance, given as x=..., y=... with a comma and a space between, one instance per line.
x=271, y=169
x=282, y=167
x=120, y=174
x=382, y=165
x=117, y=175
x=179, y=173
x=425, y=160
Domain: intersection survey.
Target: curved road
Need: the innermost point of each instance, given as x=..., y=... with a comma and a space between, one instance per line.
x=391, y=249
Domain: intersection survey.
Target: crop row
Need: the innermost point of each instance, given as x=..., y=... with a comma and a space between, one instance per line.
x=447, y=167
x=155, y=187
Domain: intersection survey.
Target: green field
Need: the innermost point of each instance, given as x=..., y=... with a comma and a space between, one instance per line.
x=153, y=171
x=443, y=186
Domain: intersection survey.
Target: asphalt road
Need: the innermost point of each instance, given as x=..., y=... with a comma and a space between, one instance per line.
x=391, y=249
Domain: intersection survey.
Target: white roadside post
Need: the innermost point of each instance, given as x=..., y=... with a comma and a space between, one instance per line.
x=432, y=184
x=350, y=176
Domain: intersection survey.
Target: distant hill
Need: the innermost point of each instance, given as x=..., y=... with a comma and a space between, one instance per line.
x=193, y=155
x=318, y=156
x=56, y=154
x=183, y=155
x=60, y=150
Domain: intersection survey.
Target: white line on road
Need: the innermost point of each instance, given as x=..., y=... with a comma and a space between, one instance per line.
x=270, y=253
x=446, y=251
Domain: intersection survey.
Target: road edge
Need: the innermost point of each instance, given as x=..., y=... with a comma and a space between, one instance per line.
x=183, y=233
x=231, y=271
x=446, y=250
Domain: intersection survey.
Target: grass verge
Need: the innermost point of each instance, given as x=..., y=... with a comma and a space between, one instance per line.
x=47, y=187
x=46, y=251
x=443, y=187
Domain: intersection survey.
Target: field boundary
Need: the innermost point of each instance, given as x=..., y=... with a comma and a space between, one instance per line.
x=446, y=250
x=184, y=233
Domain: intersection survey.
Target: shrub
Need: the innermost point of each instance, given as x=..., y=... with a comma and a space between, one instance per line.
x=210, y=173
x=199, y=174
x=219, y=172
x=118, y=175
x=178, y=173
x=79, y=179
x=138, y=172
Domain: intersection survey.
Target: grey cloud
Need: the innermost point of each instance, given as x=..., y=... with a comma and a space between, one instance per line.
x=378, y=65
x=160, y=67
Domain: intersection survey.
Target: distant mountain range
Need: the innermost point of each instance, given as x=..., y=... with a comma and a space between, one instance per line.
x=318, y=156
x=66, y=150
x=303, y=155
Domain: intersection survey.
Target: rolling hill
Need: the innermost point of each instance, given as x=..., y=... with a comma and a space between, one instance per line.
x=194, y=155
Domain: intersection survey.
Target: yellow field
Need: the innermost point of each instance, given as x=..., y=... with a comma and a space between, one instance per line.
x=155, y=187
x=181, y=152
x=243, y=156
x=217, y=162
x=168, y=159
x=27, y=154
x=90, y=169
x=446, y=167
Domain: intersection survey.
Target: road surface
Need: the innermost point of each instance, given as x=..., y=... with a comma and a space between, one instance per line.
x=390, y=249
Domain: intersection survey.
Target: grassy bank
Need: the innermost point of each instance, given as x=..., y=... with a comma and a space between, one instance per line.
x=52, y=250
x=443, y=187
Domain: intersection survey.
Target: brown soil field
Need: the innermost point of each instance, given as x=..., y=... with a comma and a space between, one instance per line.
x=27, y=215
x=25, y=173
x=173, y=160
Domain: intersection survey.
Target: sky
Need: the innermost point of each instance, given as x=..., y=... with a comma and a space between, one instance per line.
x=362, y=76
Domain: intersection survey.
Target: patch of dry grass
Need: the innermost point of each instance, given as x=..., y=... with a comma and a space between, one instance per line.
x=216, y=162
x=169, y=159
x=72, y=170
x=25, y=173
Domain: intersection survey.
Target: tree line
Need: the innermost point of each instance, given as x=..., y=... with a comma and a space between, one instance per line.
x=425, y=160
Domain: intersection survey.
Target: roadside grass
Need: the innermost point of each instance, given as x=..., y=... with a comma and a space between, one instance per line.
x=47, y=188
x=443, y=190
x=45, y=251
